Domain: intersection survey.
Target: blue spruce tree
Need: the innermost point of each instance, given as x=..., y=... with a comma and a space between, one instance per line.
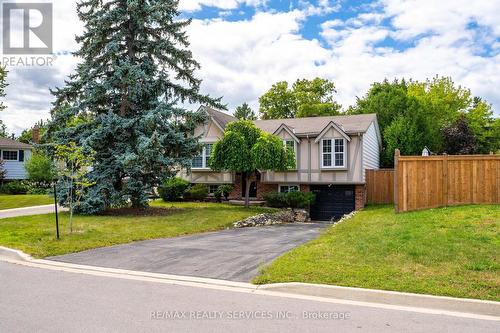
x=121, y=102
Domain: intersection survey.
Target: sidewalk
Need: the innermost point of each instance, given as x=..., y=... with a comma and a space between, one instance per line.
x=35, y=210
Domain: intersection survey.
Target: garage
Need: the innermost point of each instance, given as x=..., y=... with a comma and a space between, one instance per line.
x=332, y=201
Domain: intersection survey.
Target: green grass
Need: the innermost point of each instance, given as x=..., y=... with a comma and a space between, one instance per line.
x=447, y=251
x=36, y=234
x=23, y=200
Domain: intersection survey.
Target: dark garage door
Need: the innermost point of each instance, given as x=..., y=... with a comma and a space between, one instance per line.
x=332, y=201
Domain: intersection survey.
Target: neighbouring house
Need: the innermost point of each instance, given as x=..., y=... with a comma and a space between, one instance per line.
x=332, y=156
x=14, y=153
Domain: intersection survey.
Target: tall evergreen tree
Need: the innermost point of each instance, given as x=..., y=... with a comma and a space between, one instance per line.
x=120, y=103
x=244, y=112
x=3, y=85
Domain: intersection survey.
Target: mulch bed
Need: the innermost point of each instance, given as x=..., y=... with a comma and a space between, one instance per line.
x=150, y=211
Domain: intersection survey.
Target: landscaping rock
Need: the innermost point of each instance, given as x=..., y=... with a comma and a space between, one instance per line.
x=301, y=215
x=284, y=216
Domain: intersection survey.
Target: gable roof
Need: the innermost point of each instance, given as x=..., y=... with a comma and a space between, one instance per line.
x=285, y=128
x=6, y=143
x=221, y=118
x=350, y=124
x=339, y=129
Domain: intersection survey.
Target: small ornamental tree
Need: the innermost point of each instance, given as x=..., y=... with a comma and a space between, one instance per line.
x=458, y=138
x=246, y=149
x=73, y=165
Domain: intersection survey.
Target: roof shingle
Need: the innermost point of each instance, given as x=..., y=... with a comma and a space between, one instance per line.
x=13, y=144
x=301, y=126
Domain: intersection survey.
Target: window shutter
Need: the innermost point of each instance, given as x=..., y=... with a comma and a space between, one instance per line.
x=21, y=155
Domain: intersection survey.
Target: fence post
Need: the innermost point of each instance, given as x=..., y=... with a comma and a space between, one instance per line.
x=445, y=179
x=396, y=158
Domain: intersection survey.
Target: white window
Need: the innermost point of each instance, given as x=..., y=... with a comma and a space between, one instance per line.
x=333, y=153
x=201, y=161
x=289, y=188
x=9, y=155
x=340, y=152
x=290, y=144
x=212, y=189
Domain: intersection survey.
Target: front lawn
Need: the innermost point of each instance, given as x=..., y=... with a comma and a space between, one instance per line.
x=446, y=251
x=8, y=201
x=36, y=234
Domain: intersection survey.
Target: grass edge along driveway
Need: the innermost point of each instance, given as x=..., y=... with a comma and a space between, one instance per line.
x=450, y=251
x=35, y=234
x=8, y=201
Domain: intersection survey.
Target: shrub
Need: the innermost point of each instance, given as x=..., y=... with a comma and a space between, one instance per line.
x=173, y=189
x=15, y=187
x=275, y=199
x=38, y=190
x=224, y=191
x=40, y=169
x=299, y=199
x=198, y=192
x=291, y=199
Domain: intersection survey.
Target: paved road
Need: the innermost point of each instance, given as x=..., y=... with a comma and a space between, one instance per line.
x=41, y=300
x=234, y=254
x=35, y=210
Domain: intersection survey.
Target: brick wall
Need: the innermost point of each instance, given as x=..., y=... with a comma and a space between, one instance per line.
x=236, y=193
x=360, y=196
x=265, y=188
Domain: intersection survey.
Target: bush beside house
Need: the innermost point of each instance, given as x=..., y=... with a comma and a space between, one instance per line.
x=197, y=192
x=173, y=189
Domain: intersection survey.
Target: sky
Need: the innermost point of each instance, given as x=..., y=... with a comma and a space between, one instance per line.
x=244, y=46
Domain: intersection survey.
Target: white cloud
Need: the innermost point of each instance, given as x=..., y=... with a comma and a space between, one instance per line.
x=28, y=99
x=242, y=59
x=195, y=5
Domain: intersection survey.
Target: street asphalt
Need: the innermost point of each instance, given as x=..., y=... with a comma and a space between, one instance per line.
x=233, y=254
x=47, y=300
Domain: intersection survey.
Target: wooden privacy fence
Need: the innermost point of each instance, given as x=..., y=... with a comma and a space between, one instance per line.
x=380, y=186
x=433, y=181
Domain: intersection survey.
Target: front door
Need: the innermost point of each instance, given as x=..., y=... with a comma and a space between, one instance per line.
x=253, y=189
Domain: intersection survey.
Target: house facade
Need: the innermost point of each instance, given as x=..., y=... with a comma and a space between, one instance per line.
x=14, y=153
x=332, y=155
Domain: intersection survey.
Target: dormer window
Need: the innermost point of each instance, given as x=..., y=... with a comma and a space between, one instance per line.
x=333, y=153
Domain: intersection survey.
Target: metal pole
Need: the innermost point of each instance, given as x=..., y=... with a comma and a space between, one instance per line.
x=55, y=205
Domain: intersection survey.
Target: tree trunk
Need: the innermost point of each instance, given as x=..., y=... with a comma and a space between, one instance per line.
x=247, y=188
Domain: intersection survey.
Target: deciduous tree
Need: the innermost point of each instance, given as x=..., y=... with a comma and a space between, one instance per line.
x=306, y=98
x=246, y=149
x=458, y=138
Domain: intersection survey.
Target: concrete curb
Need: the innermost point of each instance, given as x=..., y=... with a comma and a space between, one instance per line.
x=468, y=308
x=9, y=253
x=489, y=308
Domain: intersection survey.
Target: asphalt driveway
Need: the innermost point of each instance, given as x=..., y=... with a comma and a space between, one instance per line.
x=233, y=254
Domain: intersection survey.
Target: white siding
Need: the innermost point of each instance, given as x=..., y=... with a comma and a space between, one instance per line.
x=371, y=149
x=15, y=169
